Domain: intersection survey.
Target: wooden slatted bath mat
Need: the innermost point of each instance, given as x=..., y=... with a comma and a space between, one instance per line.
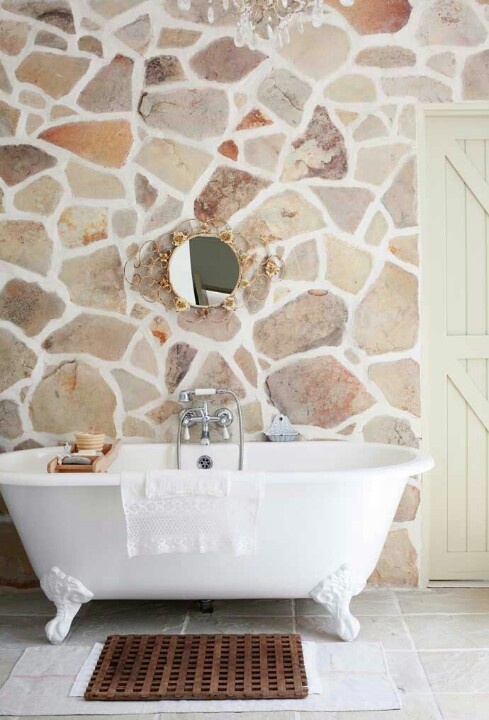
x=199, y=667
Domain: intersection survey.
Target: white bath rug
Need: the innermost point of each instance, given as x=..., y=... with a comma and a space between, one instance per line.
x=353, y=677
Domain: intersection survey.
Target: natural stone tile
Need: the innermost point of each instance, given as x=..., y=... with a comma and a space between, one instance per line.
x=135, y=392
x=306, y=50
x=319, y=152
x=55, y=74
x=9, y=118
x=317, y=391
x=28, y=444
x=221, y=327
x=134, y=427
x=10, y=423
x=24, y=602
x=390, y=631
x=351, y=89
x=166, y=213
x=302, y=262
x=42, y=196
x=348, y=267
x=215, y=372
x=13, y=36
x=15, y=571
x=221, y=61
x=264, y=152
x=388, y=56
x=425, y=89
x=53, y=12
x=194, y=113
x=409, y=676
x=371, y=127
x=247, y=365
x=399, y=381
x=227, y=191
x=319, y=319
x=376, y=163
x=253, y=119
x=475, y=77
x=387, y=318
x=124, y=222
x=19, y=162
x=143, y=357
x=90, y=44
x=408, y=507
x=17, y=361
x=280, y=217
x=104, y=337
x=162, y=69
x=145, y=193
x=451, y=632
x=285, y=94
x=88, y=183
x=229, y=149
x=161, y=414
x=370, y=602
x=463, y=706
x=178, y=165
x=96, y=280
x=25, y=243
x=110, y=90
x=51, y=40
x=72, y=396
x=376, y=230
x=33, y=122
x=407, y=122
x=374, y=16
x=60, y=111
x=137, y=34
x=444, y=63
x=398, y=563
x=160, y=329
x=80, y=225
x=139, y=312
x=110, y=8
x=252, y=417
x=346, y=205
x=445, y=600
x=391, y=430
x=177, y=37
x=401, y=198
x=32, y=99
x=4, y=80
x=103, y=142
x=447, y=22
x=28, y=306
x=178, y=362
x=405, y=247
x=230, y=624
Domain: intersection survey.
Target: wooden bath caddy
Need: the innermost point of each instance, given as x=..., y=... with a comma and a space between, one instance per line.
x=100, y=463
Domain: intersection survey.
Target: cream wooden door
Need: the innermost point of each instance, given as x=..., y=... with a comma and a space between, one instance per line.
x=455, y=303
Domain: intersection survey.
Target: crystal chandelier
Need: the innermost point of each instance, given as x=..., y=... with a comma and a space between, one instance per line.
x=268, y=18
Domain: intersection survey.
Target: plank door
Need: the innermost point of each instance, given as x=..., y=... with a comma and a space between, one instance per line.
x=455, y=304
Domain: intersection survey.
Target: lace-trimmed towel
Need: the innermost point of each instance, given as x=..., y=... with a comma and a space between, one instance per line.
x=203, y=520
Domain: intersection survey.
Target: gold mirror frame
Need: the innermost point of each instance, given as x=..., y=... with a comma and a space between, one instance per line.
x=151, y=268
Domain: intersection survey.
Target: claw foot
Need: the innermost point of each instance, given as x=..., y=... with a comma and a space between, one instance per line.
x=335, y=593
x=68, y=594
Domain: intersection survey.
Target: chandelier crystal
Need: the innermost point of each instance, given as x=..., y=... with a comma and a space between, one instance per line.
x=269, y=19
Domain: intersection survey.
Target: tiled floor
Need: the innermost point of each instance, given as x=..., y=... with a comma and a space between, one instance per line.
x=437, y=641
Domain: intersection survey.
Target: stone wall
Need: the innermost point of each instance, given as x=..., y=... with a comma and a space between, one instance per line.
x=120, y=117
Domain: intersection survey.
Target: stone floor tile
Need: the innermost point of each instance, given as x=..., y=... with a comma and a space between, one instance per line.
x=111, y=608
x=445, y=600
x=465, y=706
x=391, y=631
x=228, y=624
x=414, y=707
x=95, y=628
x=8, y=658
x=445, y=632
x=250, y=608
x=21, y=631
x=25, y=602
x=369, y=602
x=458, y=671
x=229, y=716
x=408, y=673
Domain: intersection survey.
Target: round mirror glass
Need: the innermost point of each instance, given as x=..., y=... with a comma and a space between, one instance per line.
x=204, y=270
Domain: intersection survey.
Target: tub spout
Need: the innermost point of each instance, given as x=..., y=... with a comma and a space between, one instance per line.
x=334, y=593
x=68, y=594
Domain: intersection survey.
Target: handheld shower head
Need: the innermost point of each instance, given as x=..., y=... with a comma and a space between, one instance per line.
x=187, y=395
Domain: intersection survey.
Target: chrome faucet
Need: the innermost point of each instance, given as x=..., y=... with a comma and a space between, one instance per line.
x=200, y=416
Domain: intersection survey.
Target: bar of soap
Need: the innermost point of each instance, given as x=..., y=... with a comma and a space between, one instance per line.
x=75, y=460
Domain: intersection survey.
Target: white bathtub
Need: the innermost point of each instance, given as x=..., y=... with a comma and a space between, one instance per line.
x=325, y=515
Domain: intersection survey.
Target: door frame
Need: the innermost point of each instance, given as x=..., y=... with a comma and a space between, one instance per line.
x=424, y=111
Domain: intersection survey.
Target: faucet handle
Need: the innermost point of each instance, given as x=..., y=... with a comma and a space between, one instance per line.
x=225, y=433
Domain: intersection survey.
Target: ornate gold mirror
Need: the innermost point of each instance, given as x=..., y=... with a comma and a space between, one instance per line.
x=202, y=269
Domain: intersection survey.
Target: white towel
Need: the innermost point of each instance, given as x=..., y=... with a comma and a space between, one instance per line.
x=168, y=483
x=191, y=523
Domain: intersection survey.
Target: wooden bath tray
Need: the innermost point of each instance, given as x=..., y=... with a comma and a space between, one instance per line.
x=199, y=667
x=100, y=463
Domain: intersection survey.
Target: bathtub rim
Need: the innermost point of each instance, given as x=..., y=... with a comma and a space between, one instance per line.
x=419, y=462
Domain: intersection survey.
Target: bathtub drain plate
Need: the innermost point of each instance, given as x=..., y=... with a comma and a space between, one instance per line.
x=205, y=462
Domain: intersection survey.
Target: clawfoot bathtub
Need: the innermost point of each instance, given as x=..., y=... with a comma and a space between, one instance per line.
x=325, y=515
